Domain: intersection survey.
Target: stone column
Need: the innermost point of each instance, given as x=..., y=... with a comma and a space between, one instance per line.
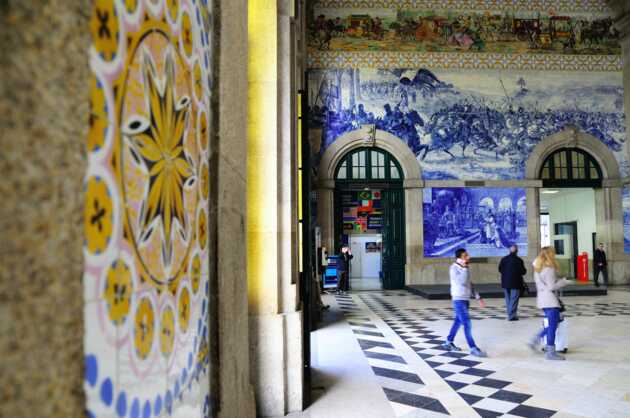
x=236, y=395
x=275, y=321
x=326, y=213
x=44, y=102
x=532, y=197
x=609, y=214
x=413, y=230
x=621, y=12
x=619, y=269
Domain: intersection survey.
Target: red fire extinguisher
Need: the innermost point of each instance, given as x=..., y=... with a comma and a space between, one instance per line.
x=582, y=273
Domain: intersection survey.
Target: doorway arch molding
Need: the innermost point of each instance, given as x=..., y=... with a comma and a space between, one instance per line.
x=360, y=138
x=572, y=137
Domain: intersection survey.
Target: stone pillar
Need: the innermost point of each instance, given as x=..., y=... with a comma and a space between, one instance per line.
x=609, y=214
x=532, y=197
x=236, y=395
x=275, y=321
x=621, y=12
x=413, y=229
x=326, y=213
x=619, y=269
x=44, y=102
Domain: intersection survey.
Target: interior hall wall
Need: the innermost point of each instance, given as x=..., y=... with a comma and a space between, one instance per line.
x=44, y=105
x=149, y=251
x=471, y=88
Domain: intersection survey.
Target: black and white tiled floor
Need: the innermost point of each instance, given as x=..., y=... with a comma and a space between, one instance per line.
x=399, y=383
x=399, y=336
x=467, y=375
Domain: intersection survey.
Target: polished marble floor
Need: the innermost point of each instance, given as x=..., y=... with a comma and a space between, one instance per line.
x=377, y=355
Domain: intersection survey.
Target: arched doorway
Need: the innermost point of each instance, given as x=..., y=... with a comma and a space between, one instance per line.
x=369, y=215
x=570, y=177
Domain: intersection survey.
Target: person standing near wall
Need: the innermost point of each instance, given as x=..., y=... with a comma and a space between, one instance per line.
x=600, y=265
x=545, y=270
x=512, y=270
x=461, y=292
x=343, y=267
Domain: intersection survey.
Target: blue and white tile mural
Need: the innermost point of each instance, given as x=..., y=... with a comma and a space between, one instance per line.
x=474, y=125
x=625, y=199
x=486, y=221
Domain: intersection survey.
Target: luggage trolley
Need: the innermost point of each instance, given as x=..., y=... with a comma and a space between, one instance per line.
x=330, y=274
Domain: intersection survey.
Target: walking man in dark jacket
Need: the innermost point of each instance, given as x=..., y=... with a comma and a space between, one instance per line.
x=512, y=270
x=600, y=265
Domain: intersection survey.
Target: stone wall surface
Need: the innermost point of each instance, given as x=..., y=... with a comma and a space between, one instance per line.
x=43, y=125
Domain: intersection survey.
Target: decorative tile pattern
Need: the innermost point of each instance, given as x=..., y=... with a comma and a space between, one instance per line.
x=463, y=60
x=146, y=209
x=592, y=6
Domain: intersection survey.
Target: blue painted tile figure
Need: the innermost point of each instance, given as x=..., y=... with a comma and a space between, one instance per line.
x=469, y=126
x=487, y=220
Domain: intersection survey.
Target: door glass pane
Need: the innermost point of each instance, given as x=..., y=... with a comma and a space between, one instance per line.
x=341, y=175
x=394, y=171
x=580, y=160
x=545, y=172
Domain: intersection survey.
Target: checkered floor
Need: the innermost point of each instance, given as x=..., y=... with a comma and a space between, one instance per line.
x=401, y=386
x=468, y=376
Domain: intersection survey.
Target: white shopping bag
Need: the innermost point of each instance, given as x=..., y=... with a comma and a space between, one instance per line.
x=562, y=336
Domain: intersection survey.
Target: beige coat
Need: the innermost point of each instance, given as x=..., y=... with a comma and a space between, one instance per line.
x=546, y=284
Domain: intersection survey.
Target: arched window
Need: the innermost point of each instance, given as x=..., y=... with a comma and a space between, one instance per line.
x=571, y=167
x=368, y=164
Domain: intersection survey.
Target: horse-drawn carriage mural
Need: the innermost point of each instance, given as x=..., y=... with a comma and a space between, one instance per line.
x=454, y=31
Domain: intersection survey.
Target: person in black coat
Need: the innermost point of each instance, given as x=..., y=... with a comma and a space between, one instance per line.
x=600, y=265
x=512, y=270
x=343, y=267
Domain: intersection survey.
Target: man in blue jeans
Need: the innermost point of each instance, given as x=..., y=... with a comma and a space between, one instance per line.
x=461, y=292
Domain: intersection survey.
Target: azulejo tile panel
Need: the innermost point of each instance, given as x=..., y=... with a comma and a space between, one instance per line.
x=593, y=6
x=146, y=209
x=463, y=60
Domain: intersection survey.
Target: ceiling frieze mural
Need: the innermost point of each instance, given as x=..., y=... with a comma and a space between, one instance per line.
x=538, y=35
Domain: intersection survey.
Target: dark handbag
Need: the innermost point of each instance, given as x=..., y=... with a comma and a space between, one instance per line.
x=524, y=289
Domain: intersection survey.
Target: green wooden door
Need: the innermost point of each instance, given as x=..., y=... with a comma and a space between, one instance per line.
x=393, y=239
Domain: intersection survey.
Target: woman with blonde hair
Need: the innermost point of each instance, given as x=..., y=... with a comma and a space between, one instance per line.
x=545, y=275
